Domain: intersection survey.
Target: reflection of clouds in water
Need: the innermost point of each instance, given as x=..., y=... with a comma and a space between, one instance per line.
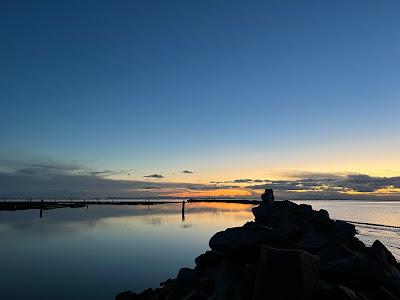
x=74, y=219
x=242, y=217
x=216, y=210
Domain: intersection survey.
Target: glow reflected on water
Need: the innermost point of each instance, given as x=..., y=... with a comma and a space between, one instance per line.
x=95, y=253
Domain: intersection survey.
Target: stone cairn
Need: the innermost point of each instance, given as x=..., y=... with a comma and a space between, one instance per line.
x=288, y=252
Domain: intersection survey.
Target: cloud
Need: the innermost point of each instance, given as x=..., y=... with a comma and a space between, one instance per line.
x=159, y=176
x=366, y=183
x=350, y=183
x=99, y=173
x=59, y=180
x=35, y=179
x=46, y=168
x=245, y=180
x=187, y=172
x=40, y=168
x=242, y=180
x=83, y=185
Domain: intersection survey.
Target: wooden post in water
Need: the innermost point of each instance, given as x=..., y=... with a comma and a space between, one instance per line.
x=41, y=208
x=183, y=211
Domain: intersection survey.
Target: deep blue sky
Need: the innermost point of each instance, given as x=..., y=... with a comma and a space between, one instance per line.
x=163, y=86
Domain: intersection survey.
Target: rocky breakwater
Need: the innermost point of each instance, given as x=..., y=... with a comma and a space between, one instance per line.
x=289, y=251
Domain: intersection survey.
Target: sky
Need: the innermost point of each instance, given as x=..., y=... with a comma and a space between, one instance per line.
x=200, y=99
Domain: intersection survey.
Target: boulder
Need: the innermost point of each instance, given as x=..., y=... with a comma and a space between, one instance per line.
x=313, y=242
x=208, y=260
x=382, y=255
x=346, y=293
x=282, y=216
x=388, y=265
x=284, y=274
x=186, y=275
x=363, y=273
x=126, y=295
x=319, y=220
x=235, y=281
x=344, y=229
x=186, y=282
x=334, y=252
x=246, y=241
x=166, y=282
x=268, y=196
x=353, y=269
x=195, y=295
x=330, y=292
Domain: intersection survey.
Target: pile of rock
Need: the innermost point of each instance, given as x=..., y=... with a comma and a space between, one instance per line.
x=290, y=251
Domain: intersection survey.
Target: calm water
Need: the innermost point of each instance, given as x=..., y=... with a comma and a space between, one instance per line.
x=79, y=253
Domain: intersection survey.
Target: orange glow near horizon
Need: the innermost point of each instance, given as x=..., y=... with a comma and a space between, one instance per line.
x=213, y=193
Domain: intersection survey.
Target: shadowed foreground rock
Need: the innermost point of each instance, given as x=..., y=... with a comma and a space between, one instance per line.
x=290, y=251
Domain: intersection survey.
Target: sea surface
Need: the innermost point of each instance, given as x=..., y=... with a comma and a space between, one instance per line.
x=96, y=252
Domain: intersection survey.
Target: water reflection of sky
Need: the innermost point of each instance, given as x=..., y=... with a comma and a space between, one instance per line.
x=95, y=253
x=377, y=212
x=79, y=253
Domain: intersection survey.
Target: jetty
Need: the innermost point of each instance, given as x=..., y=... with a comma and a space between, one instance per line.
x=19, y=204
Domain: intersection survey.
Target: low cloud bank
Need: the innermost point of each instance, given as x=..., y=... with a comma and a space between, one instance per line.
x=19, y=179
x=353, y=183
x=62, y=180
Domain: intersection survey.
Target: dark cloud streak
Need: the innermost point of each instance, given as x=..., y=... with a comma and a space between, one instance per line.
x=187, y=172
x=156, y=176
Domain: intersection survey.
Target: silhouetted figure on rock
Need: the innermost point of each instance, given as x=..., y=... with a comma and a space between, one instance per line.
x=268, y=196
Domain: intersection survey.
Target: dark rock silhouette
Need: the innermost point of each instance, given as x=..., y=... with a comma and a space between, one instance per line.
x=279, y=269
x=268, y=196
x=289, y=251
